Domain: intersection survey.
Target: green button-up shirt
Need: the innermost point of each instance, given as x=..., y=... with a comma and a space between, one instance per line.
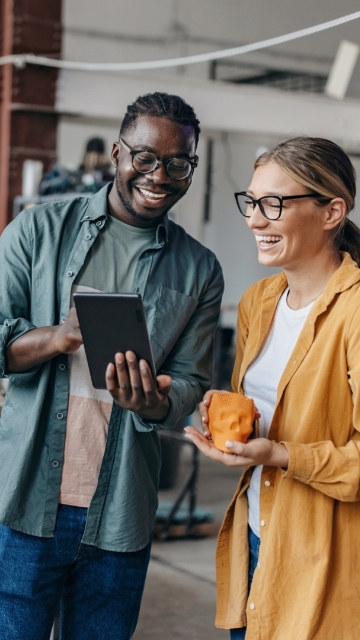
x=41, y=253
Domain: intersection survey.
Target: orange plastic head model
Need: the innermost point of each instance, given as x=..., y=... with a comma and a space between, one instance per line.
x=231, y=417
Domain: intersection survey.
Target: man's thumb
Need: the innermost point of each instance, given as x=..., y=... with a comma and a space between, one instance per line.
x=164, y=384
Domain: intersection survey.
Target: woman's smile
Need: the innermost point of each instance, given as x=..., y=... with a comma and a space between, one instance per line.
x=267, y=242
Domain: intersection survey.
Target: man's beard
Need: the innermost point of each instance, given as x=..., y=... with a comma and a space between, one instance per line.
x=143, y=221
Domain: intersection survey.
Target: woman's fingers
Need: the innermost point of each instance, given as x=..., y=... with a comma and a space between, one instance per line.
x=208, y=449
x=206, y=446
x=204, y=410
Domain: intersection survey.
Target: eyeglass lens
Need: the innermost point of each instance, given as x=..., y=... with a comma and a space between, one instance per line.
x=177, y=168
x=271, y=206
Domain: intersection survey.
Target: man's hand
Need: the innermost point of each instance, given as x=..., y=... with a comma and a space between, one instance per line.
x=68, y=337
x=253, y=453
x=133, y=387
x=43, y=344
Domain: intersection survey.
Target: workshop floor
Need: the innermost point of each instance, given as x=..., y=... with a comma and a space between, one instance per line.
x=179, y=598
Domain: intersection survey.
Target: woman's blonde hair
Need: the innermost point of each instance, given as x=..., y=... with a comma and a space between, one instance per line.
x=324, y=168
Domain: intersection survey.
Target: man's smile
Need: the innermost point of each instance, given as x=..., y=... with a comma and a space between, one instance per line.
x=151, y=194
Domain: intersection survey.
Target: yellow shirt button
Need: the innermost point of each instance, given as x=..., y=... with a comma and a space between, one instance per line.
x=262, y=523
x=252, y=606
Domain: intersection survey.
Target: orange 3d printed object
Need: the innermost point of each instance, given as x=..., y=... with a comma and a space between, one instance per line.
x=231, y=417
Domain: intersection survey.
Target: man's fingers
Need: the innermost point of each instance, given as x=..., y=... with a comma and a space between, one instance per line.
x=134, y=376
x=122, y=376
x=147, y=380
x=110, y=378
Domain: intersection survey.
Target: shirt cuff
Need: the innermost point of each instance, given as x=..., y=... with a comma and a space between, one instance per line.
x=301, y=462
x=10, y=331
x=169, y=422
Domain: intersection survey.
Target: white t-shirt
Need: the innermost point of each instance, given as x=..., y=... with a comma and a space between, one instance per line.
x=262, y=379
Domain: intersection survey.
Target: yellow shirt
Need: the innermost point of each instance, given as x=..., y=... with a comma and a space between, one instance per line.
x=307, y=584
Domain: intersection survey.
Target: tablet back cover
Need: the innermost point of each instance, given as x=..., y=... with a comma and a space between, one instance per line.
x=112, y=323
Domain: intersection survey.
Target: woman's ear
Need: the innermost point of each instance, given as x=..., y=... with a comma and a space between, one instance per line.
x=335, y=213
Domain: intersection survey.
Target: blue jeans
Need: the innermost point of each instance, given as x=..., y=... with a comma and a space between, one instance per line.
x=254, y=547
x=99, y=591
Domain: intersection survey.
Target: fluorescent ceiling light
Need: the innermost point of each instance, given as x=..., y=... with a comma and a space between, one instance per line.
x=342, y=69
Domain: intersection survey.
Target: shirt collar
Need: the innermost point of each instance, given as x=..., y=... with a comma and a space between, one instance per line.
x=98, y=211
x=343, y=278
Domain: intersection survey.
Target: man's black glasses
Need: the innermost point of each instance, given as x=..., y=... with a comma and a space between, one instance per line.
x=270, y=206
x=146, y=162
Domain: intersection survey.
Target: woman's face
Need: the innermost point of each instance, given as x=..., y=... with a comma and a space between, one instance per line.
x=300, y=233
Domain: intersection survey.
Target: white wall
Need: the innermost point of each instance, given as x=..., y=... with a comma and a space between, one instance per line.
x=123, y=30
x=226, y=232
x=240, y=118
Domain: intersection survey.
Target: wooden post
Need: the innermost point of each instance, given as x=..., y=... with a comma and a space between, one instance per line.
x=28, y=120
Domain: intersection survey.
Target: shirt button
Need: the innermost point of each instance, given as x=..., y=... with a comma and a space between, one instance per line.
x=60, y=416
x=252, y=606
x=70, y=273
x=62, y=320
x=55, y=464
x=258, y=564
x=267, y=483
x=88, y=236
x=262, y=523
x=61, y=367
x=99, y=223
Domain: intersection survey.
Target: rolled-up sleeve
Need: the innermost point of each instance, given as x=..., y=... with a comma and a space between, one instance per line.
x=15, y=286
x=335, y=471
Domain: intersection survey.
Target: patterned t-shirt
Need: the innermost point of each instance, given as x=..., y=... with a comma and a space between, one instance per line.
x=109, y=267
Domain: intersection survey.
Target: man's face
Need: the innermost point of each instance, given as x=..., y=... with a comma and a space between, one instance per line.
x=143, y=199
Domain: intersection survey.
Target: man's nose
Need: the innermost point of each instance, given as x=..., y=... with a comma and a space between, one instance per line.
x=160, y=175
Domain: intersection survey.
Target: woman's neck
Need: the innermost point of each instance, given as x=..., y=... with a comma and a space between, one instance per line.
x=308, y=281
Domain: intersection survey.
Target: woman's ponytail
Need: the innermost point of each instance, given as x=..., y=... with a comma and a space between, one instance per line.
x=349, y=240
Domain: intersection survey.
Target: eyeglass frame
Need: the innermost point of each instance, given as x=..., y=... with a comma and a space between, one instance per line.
x=280, y=198
x=193, y=162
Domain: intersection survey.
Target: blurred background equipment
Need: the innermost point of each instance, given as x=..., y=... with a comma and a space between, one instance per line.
x=94, y=171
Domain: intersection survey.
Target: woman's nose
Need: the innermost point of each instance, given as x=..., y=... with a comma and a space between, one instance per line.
x=256, y=219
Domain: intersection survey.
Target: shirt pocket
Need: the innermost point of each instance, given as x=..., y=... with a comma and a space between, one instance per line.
x=168, y=320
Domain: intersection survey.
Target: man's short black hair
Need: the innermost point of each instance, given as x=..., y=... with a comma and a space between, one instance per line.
x=161, y=105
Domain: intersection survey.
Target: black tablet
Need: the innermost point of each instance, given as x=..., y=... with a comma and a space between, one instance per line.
x=111, y=323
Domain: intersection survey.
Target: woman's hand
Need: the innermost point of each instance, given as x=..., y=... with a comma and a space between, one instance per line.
x=253, y=453
x=204, y=410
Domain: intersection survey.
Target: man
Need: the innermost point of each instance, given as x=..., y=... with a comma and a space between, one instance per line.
x=79, y=472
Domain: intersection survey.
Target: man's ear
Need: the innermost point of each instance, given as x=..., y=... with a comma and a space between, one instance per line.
x=115, y=153
x=335, y=213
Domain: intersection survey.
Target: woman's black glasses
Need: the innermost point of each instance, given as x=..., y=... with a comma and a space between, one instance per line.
x=270, y=206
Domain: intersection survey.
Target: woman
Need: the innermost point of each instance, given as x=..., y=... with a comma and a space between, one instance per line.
x=288, y=559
